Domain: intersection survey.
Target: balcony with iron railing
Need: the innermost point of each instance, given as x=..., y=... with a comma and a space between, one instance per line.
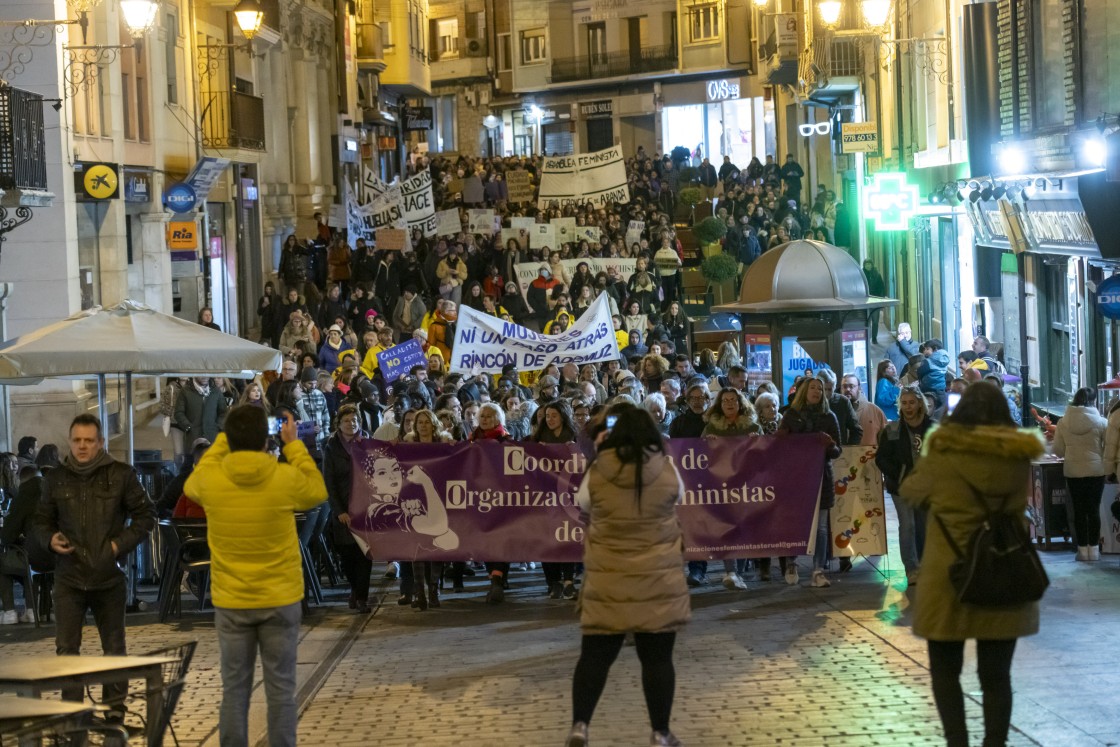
x=231, y=119
x=23, y=162
x=596, y=66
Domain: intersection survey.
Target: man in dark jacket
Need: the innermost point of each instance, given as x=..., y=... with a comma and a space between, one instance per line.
x=690, y=422
x=851, y=432
x=93, y=512
x=200, y=410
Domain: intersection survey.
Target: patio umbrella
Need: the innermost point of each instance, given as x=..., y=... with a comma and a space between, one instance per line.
x=129, y=339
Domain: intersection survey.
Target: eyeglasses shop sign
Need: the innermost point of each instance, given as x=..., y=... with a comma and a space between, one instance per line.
x=417, y=118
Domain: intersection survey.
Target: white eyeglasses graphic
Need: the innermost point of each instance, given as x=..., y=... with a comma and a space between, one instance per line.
x=821, y=128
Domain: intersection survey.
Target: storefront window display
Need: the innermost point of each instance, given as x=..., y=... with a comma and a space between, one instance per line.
x=735, y=128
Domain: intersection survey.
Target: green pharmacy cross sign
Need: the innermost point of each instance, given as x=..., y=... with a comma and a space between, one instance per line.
x=890, y=201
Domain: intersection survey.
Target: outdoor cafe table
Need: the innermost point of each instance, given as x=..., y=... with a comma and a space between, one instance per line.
x=30, y=676
x=17, y=712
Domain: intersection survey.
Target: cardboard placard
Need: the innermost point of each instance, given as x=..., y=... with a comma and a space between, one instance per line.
x=519, y=185
x=391, y=239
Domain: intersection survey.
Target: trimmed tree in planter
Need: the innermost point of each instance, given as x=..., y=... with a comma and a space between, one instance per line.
x=718, y=268
x=686, y=202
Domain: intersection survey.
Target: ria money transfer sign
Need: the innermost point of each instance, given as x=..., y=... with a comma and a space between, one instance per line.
x=598, y=178
x=485, y=344
x=743, y=497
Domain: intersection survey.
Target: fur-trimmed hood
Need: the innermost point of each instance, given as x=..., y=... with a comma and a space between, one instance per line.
x=986, y=440
x=744, y=424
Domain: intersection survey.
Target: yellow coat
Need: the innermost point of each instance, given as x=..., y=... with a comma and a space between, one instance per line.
x=369, y=363
x=250, y=501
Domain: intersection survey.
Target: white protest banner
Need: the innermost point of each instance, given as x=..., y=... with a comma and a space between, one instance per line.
x=419, y=206
x=337, y=218
x=634, y=232
x=522, y=222
x=565, y=229
x=356, y=224
x=591, y=233
x=597, y=178
x=519, y=186
x=489, y=343
x=858, y=517
x=527, y=271
x=448, y=223
x=543, y=235
x=372, y=187
x=480, y=221
x=385, y=211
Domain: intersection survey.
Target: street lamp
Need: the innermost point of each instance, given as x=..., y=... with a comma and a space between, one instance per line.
x=829, y=11
x=876, y=12
x=249, y=16
x=139, y=16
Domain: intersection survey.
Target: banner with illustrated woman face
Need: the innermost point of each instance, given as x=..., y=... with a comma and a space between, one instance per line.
x=491, y=501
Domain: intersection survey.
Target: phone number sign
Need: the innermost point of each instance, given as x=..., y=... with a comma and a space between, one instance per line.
x=859, y=137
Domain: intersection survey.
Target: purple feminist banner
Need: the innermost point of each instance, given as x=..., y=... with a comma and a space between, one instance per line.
x=743, y=497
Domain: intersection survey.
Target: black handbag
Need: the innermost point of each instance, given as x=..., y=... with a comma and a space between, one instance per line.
x=1000, y=567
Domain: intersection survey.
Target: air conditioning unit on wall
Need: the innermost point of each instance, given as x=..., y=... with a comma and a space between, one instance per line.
x=476, y=47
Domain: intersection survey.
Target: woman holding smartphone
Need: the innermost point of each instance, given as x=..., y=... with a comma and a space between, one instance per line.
x=900, y=446
x=632, y=559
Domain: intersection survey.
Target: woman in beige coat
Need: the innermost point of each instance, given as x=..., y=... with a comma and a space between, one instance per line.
x=976, y=462
x=632, y=569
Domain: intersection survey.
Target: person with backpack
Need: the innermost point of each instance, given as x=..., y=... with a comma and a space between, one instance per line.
x=975, y=470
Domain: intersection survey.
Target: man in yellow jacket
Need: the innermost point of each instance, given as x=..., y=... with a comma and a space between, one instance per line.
x=256, y=574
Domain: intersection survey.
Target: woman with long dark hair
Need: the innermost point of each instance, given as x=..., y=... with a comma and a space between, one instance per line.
x=809, y=413
x=1079, y=437
x=976, y=463
x=887, y=389
x=337, y=461
x=556, y=426
x=632, y=569
x=426, y=429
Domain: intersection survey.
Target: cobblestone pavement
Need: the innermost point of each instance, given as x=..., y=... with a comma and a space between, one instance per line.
x=774, y=665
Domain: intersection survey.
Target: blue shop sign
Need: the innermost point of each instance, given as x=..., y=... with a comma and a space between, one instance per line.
x=180, y=198
x=796, y=361
x=1108, y=298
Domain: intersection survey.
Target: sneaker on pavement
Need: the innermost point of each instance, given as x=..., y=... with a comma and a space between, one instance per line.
x=569, y=591
x=729, y=581
x=556, y=590
x=28, y=616
x=664, y=739
x=791, y=575
x=845, y=565
x=1094, y=552
x=695, y=581
x=819, y=579
x=10, y=617
x=392, y=570
x=577, y=736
